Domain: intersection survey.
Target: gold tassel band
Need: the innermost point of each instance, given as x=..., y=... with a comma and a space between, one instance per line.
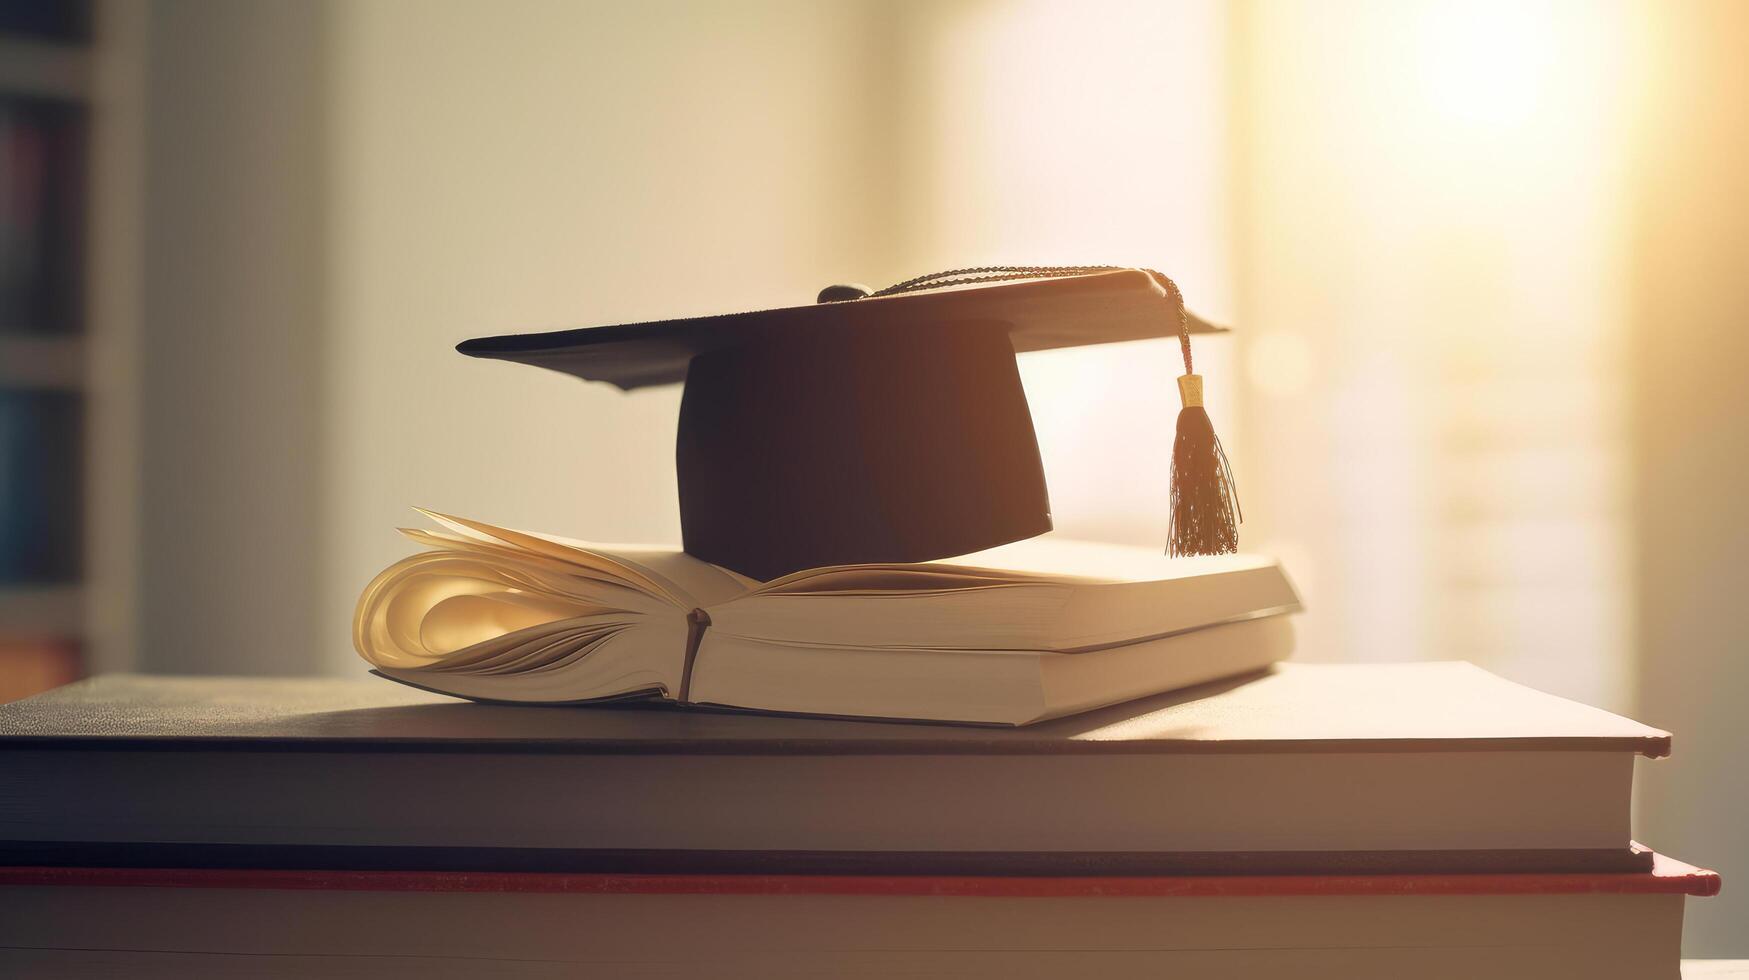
x=1190, y=390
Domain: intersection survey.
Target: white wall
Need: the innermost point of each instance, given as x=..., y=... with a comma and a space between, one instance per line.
x=508, y=168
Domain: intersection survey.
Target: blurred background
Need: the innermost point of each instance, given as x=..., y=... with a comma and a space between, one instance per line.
x=1486, y=262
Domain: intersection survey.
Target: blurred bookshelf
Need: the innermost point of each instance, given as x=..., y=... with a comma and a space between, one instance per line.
x=48, y=68
x=71, y=74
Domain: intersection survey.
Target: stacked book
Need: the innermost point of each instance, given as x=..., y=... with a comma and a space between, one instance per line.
x=1408, y=820
x=1013, y=635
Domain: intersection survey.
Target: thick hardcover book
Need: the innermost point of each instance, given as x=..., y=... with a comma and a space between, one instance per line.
x=182, y=923
x=1305, y=768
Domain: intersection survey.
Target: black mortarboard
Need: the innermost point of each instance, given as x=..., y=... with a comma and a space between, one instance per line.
x=884, y=427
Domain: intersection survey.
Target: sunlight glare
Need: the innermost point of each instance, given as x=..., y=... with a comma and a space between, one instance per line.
x=1486, y=62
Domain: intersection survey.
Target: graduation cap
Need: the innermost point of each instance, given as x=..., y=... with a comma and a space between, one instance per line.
x=889, y=425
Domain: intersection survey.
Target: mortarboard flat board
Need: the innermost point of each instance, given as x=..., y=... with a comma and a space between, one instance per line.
x=883, y=429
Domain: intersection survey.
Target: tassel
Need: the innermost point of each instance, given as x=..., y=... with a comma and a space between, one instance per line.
x=1205, y=503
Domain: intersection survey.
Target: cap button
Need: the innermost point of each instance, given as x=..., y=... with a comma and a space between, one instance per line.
x=842, y=292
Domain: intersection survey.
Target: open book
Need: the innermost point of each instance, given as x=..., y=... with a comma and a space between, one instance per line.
x=1017, y=634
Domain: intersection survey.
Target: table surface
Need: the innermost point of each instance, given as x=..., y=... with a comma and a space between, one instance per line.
x=1695, y=969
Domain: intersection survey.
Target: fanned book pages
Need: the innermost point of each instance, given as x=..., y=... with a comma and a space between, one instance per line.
x=1017, y=634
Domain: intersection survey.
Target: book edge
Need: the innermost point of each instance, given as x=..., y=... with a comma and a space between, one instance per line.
x=1668, y=877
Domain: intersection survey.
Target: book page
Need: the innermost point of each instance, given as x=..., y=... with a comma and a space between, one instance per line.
x=1064, y=558
x=1054, y=595
x=700, y=581
x=1043, y=560
x=669, y=572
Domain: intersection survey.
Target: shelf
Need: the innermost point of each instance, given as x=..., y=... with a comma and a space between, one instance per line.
x=28, y=361
x=44, y=68
x=55, y=610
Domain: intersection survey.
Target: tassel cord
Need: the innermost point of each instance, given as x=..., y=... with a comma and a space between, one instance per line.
x=1008, y=273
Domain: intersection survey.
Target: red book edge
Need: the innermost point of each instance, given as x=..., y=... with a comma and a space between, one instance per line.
x=1667, y=877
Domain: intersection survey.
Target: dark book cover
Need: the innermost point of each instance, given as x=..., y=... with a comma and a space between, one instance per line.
x=41, y=481
x=42, y=215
